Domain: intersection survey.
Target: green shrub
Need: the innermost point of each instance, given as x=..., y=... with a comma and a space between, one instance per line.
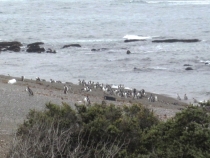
x=111, y=131
x=96, y=131
x=186, y=135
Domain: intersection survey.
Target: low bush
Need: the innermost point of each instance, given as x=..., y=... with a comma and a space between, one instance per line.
x=111, y=131
x=95, y=131
x=186, y=135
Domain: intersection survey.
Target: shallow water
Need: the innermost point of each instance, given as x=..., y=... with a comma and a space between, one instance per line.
x=103, y=24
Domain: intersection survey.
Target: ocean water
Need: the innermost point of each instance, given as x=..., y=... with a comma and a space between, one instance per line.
x=103, y=24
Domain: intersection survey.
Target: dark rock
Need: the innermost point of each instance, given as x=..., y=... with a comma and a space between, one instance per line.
x=128, y=52
x=14, y=48
x=189, y=68
x=206, y=63
x=132, y=40
x=93, y=50
x=71, y=45
x=11, y=46
x=8, y=44
x=176, y=40
x=35, y=49
x=187, y=65
x=109, y=98
x=35, y=44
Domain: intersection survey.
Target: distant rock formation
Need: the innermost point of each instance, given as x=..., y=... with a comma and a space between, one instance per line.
x=71, y=45
x=31, y=48
x=176, y=40
x=188, y=68
x=133, y=40
x=35, y=48
x=10, y=46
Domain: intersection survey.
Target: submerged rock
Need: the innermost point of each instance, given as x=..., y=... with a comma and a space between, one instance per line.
x=71, y=45
x=187, y=65
x=128, y=52
x=176, y=40
x=133, y=40
x=188, y=68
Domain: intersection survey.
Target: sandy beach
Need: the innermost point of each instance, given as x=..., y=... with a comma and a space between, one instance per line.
x=16, y=102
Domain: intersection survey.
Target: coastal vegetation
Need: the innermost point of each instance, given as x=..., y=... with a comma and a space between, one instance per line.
x=102, y=130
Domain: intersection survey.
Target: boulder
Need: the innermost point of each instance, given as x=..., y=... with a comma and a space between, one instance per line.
x=109, y=98
x=93, y=50
x=35, y=49
x=176, y=40
x=188, y=68
x=128, y=52
x=71, y=45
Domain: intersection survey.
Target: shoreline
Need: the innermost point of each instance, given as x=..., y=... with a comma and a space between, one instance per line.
x=45, y=91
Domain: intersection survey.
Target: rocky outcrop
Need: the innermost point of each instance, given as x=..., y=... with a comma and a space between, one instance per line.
x=10, y=46
x=31, y=48
x=6, y=44
x=35, y=48
x=133, y=40
x=176, y=40
x=71, y=45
